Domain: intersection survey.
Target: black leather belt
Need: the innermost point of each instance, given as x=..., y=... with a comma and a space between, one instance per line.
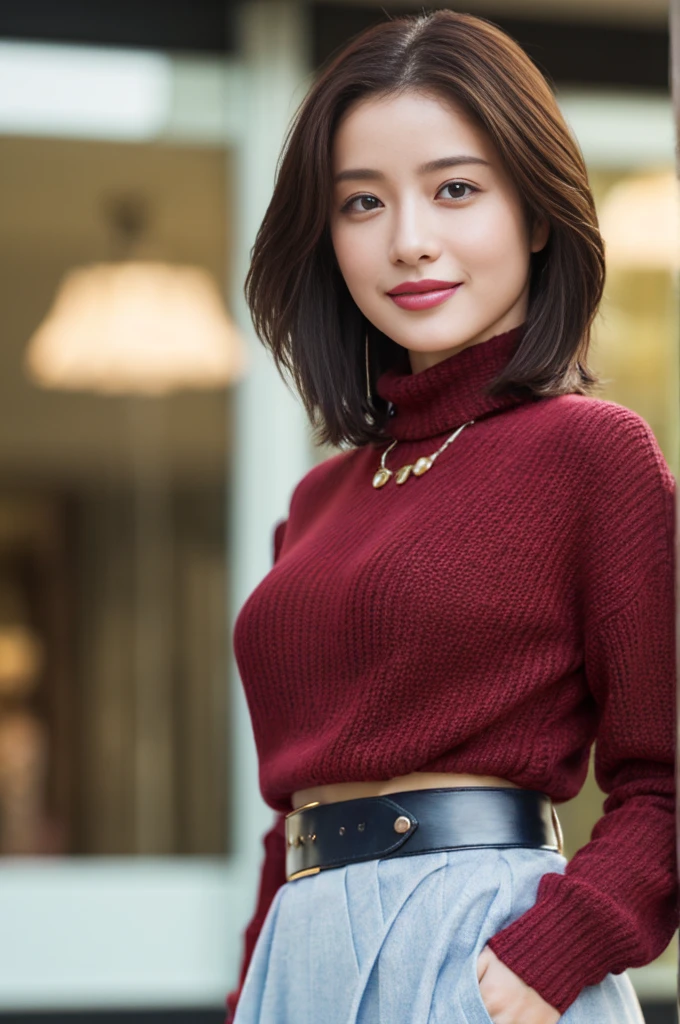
x=328, y=835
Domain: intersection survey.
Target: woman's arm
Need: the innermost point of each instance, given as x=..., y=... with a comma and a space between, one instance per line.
x=272, y=876
x=273, y=869
x=616, y=905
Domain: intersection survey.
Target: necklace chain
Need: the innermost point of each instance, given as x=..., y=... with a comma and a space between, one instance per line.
x=419, y=467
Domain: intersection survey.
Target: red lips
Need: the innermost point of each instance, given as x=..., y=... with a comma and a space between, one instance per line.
x=428, y=285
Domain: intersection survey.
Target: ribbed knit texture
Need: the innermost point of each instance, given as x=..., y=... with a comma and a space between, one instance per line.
x=495, y=616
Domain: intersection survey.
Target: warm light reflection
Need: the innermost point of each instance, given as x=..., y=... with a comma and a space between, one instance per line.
x=136, y=327
x=640, y=222
x=21, y=658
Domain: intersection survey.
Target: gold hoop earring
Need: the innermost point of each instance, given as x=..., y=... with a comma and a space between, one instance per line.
x=369, y=396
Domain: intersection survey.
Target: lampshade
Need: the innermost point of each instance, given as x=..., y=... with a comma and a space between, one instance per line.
x=640, y=222
x=136, y=327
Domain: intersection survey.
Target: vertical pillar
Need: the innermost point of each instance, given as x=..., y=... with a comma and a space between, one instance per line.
x=674, y=30
x=271, y=437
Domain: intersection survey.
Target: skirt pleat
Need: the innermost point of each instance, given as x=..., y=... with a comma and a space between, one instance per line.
x=396, y=941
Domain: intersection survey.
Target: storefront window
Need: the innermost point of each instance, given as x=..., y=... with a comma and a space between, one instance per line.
x=113, y=575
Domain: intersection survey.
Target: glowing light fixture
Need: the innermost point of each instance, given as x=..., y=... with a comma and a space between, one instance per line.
x=640, y=222
x=136, y=326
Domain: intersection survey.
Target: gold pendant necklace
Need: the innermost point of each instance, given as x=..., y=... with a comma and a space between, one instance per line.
x=419, y=467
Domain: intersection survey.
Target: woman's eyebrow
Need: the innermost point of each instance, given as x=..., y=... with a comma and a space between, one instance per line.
x=362, y=173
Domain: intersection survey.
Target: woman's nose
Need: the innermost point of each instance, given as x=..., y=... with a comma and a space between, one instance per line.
x=413, y=236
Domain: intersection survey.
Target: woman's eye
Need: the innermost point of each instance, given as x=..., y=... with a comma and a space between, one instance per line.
x=349, y=205
x=366, y=200
x=458, y=185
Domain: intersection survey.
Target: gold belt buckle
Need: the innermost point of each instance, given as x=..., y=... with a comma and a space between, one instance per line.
x=558, y=829
x=298, y=841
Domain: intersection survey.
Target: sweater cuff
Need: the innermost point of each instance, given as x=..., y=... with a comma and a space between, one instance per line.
x=560, y=945
x=230, y=1006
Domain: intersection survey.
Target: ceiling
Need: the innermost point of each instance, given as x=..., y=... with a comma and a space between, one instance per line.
x=616, y=11
x=575, y=44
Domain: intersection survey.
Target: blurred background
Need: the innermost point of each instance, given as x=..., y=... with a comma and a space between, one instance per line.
x=140, y=476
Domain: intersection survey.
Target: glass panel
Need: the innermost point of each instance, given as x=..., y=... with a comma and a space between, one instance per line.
x=635, y=340
x=113, y=647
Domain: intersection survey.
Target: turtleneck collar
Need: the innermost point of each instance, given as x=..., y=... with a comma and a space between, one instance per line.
x=449, y=393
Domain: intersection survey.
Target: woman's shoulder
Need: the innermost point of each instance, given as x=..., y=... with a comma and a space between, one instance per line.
x=330, y=467
x=588, y=412
x=325, y=475
x=607, y=437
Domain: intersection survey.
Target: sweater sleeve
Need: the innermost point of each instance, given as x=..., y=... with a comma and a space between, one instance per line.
x=272, y=877
x=617, y=905
x=273, y=868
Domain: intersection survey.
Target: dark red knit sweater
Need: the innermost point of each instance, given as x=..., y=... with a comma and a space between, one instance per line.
x=495, y=616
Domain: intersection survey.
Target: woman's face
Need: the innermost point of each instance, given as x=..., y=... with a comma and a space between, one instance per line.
x=460, y=221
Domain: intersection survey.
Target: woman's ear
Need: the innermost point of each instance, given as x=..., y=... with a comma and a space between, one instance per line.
x=540, y=233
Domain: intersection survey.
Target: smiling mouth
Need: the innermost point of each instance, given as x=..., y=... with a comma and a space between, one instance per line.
x=426, y=291
x=434, y=296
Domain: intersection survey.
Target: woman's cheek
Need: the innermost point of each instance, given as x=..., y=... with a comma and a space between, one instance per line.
x=358, y=275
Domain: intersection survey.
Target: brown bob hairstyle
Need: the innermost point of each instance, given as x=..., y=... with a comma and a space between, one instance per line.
x=301, y=307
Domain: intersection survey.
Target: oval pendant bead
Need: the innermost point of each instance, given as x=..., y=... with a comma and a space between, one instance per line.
x=381, y=477
x=422, y=465
x=403, y=474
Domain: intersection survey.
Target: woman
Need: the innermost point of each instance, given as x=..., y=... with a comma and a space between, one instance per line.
x=477, y=587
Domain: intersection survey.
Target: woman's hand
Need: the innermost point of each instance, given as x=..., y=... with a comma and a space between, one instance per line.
x=507, y=998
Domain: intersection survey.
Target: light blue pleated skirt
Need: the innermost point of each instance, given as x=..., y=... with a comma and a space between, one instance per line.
x=396, y=941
